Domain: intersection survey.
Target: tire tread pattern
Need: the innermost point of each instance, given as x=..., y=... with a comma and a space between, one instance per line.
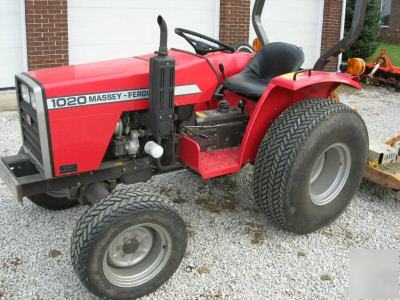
x=102, y=215
x=279, y=149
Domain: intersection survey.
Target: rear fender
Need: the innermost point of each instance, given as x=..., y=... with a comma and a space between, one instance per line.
x=282, y=92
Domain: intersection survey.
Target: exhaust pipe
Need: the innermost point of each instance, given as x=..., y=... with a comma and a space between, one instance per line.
x=163, y=49
x=161, y=100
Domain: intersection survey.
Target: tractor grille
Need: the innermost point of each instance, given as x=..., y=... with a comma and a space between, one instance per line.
x=33, y=121
x=30, y=129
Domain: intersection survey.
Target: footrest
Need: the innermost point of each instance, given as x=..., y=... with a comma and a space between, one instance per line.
x=208, y=164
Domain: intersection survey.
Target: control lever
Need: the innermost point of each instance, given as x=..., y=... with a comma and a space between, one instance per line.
x=222, y=69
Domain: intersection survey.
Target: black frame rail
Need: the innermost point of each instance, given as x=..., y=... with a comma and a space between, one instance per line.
x=23, y=179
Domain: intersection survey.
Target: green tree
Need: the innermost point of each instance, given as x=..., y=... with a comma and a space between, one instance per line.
x=367, y=42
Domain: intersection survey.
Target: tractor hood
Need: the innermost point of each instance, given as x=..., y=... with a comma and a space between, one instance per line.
x=120, y=75
x=83, y=103
x=195, y=75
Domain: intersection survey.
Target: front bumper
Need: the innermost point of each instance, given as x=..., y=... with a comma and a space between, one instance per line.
x=23, y=178
x=20, y=175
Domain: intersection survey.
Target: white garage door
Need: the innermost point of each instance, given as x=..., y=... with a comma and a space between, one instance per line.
x=298, y=22
x=105, y=29
x=12, y=51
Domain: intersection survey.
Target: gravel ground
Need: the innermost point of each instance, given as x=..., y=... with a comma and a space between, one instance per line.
x=233, y=251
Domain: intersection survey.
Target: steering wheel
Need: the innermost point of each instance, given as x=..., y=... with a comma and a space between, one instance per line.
x=203, y=44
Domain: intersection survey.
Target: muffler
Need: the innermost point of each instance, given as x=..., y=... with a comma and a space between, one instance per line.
x=161, y=92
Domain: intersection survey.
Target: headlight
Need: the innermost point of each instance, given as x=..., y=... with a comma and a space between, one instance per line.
x=33, y=100
x=25, y=93
x=28, y=95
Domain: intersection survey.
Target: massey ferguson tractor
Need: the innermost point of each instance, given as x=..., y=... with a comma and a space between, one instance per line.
x=88, y=128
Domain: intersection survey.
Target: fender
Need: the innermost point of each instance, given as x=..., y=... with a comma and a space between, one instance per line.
x=282, y=92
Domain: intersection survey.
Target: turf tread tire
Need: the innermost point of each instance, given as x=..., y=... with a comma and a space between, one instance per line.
x=101, y=215
x=279, y=149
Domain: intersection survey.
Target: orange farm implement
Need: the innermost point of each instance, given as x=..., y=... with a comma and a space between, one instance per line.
x=381, y=71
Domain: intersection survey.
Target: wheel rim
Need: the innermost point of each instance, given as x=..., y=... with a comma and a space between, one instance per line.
x=329, y=174
x=137, y=255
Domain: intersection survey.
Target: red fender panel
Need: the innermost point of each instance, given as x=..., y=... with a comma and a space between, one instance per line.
x=282, y=92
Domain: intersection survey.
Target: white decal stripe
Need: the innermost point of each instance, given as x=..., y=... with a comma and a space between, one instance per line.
x=113, y=97
x=187, y=89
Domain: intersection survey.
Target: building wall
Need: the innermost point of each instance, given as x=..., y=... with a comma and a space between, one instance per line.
x=234, y=21
x=331, y=29
x=392, y=33
x=47, y=29
x=46, y=33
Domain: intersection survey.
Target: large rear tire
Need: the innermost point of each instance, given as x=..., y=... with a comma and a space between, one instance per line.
x=310, y=164
x=128, y=244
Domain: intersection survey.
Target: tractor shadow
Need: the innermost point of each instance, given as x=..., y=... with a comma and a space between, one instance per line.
x=224, y=201
x=223, y=194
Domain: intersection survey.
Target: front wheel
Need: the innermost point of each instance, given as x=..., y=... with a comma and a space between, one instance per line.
x=310, y=164
x=128, y=245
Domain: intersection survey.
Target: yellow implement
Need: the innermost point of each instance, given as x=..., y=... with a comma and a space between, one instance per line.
x=384, y=164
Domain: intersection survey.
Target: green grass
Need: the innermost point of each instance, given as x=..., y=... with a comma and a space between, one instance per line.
x=392, y=50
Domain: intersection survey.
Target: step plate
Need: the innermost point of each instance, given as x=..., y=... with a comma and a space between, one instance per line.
x=208, y=164
x=218, y=162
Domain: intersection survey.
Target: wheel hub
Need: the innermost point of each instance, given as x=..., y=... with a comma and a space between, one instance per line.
x=329, y=174
x=136, y=255
x=131, y=246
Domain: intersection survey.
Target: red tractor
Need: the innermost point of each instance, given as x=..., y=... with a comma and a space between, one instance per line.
x=87, y=128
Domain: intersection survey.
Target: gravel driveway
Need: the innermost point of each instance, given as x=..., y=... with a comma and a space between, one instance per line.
x=233, y=251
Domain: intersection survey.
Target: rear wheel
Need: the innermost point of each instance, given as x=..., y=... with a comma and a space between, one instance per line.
x=310, y=164
x=128, y=245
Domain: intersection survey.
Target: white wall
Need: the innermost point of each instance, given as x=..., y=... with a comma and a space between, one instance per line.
x=298, y=22
x=12, y=41
x=106, y=29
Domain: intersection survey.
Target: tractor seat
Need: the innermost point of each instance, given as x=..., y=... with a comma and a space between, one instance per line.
x=272, y=60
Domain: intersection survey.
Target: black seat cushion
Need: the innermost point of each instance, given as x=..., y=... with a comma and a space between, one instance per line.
x=273, y=60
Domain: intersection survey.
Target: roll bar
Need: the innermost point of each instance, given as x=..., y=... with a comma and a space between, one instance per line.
x=345, y=43
x=256, y=20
